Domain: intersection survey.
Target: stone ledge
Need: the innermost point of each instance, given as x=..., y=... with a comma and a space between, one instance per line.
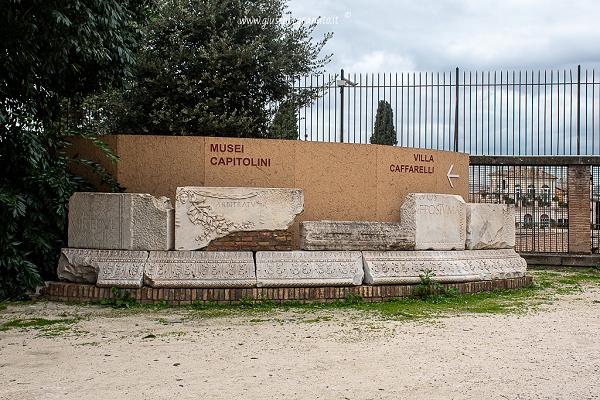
x=561, y=260
x=77, y=292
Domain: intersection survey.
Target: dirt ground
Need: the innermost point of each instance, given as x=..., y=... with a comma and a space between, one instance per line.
x=549, y=352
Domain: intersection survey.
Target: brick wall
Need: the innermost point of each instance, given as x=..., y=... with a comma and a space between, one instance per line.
x=253, y=241
x=580, y=237
x=63, y=291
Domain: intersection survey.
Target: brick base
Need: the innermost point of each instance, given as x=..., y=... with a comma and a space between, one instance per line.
x=62, y=291
x=253, y=241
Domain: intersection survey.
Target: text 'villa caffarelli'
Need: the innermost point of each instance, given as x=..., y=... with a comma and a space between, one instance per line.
x=231, y=158
x=417, y=169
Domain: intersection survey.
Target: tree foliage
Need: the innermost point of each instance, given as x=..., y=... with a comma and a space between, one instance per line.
x=216, y=68
x=55, y=53
x=384, y=132
x=285, y=123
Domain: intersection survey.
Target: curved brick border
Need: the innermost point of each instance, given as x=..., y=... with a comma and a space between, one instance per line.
x=63, y=291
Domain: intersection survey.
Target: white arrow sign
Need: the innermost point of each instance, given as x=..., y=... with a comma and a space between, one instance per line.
x=450, y=175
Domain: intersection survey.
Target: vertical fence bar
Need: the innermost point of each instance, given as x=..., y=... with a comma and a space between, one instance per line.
x=456, y=113
x=578, y=110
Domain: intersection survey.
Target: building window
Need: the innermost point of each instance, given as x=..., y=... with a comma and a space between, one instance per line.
x=517, y=192
x=531, y=191
x=544, y=220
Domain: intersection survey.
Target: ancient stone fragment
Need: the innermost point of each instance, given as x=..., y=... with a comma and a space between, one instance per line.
x=354, y=235
x=196, y=269
x=437, y=220
x=120, y=221
x=404, y=267
x=120, y=268
x=490, y=226
x=308, y=268
x=206, y=213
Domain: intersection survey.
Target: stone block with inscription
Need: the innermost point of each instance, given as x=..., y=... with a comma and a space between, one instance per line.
x=197, y=269
x=203, y=214
x=120, y=221
x=354, y=235
x=437, y=220
x=308, y=268
x=490, y=226
x=120, y=268
x=404, y=267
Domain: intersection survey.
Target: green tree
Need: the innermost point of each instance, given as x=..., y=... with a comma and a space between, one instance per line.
x=384, y=132
x=216, y=68
x=285, y=122
x=54, y=53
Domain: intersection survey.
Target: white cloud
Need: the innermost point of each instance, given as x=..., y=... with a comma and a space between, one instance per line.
x=439, y=35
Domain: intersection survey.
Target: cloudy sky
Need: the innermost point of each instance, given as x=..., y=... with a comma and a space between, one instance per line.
x=440, y=35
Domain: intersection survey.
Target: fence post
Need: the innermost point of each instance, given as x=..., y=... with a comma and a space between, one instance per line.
x=342, y=109
x=456, y=114
x=578, y=192
x=578, y=110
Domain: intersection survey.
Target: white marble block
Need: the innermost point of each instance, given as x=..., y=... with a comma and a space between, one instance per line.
x=354, y=235
x=490, y=226
x=308, y=268
x=437, y=220
x=196, y=269
x=203, y=214
x=120, y=268
x=120, y=221
x=404, y=267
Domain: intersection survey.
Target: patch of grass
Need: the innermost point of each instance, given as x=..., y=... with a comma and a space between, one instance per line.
x=46, y=327
x=318, y=319
x=36, y=322
x=548, y=284
x=119, y=299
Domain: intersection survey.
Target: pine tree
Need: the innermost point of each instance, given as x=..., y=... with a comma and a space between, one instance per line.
x=384, y=132
x=285, y=123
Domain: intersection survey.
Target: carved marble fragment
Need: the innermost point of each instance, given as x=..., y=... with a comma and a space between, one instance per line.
x=196, y=269
x=308, y=268
x=437, y=220
x=404, y=267
x=354, y=235
x=490, y=226
x=120, y=221
x=203, y=214
x=120, y=268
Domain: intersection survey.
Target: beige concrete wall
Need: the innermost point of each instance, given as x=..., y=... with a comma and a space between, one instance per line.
x=340, y=181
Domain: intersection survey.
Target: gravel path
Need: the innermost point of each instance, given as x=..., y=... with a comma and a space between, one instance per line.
x=551, y=352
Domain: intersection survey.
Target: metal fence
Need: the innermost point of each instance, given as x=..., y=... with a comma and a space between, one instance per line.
x=516, y=113
x=480, y=113
x=540, y=197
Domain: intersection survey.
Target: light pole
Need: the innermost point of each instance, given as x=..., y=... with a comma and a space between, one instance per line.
x=342, y=82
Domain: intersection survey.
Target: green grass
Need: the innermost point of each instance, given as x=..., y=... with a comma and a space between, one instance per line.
x=548, y=284
x=47, y=327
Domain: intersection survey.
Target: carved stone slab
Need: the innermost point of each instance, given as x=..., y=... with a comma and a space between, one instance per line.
x=354, y=235
x=206, y=213
x=120, y=268
x=490, y=226
x=404, y=267
x=125, y=221
x=196, y=269
x=437, y=220
x=308, y=268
